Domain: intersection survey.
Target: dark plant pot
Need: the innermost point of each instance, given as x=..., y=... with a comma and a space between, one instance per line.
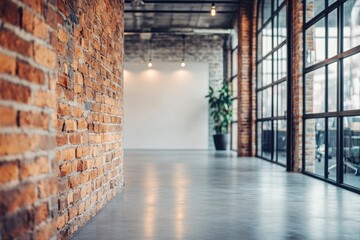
x=221, y=141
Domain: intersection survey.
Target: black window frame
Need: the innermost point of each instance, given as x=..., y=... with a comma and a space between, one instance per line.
x=340, y=113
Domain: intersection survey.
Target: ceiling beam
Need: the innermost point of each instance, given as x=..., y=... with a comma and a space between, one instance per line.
x=175, y=11
x=183, y=2
x=176, y=31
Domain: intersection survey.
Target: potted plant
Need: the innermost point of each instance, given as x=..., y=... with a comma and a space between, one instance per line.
x=221, y=111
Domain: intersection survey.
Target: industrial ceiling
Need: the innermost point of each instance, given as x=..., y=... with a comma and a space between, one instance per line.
x=179, y=16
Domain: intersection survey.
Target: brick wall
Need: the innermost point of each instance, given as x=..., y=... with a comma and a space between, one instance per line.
x=199, y=48
x=297, y=104
x=89, y=109
x=247, y=79
x=28, y=120
x=61, y=114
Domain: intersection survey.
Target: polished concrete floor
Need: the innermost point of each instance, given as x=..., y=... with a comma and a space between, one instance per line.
x=207, y=195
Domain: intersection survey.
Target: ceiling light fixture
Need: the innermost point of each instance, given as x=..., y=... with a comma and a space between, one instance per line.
x=213, y=10
x=149, y=53
x=183, y=53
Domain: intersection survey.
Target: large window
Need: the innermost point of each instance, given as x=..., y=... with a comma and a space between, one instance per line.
x=271, y=87
x=332, y=90
x=234, y=87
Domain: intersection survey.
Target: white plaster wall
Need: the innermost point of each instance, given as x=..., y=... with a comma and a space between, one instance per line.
x=165, y=106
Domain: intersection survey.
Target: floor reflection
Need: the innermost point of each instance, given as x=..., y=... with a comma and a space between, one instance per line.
x=151, y=186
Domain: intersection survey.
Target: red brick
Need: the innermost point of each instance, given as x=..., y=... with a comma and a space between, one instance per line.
x=61, y=140
x=13, y=42
x=62, y=35
x=41, y=213
x=46, y=187
x=70, y=125
x=22, y=195
x=8, y=64
x=45, y=56
x=9, y=144
x=63, y=109
x=68, y=154
x=75, y=139
x=34, y=120
x=34, y=167
x=37, y=5
x=40, y=29
x=30, y=73
x=76, y=112
x=45, y=232
x=10, y=91
x=45, y=99
x=82, y=151
x=8, y=117
x=9, y=171
x=65, y=169
x=9, y=12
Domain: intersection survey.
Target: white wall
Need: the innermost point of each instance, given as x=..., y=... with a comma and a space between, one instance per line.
x=165, y=106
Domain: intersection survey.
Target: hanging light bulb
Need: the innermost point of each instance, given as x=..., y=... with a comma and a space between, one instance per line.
x=183, y=53
x=213, y=10
x=149, y=53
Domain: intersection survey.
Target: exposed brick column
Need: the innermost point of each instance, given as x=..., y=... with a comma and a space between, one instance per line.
x=89, y=109
x=246, y=70
x=297, y=86
x=28, y=78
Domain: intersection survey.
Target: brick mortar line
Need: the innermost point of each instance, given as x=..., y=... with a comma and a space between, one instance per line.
x=25, y=107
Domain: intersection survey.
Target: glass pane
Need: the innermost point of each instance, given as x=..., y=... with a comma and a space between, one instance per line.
x=282, y=25
x=332, y=33
x=352, y=82
x=259, y=105
x=274, y=141
x=351, y=153
x=332, y=87
x=234, y=136
x=259, y=75
x=259, y=138
x=235, y=110
x=267, y=71
x=275, y=68
x=267, y=39
x=332, y=148
x=283, y=62
x=280, y=2
x=315, y=91
x=266, y=142
x=267, y=10
x=351, y=24
x=275, y=96
x=267, y=102
x=315, y=146
x=234, y=36
x=315, y=43
x=281, y=141
x=234, y=86
x=276, y=32
x=282, y=97
x=234, y=69
x=331, y=2
x=313, y=8
x=259, y=47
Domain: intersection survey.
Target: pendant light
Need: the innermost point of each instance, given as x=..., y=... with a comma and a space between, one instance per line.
x=183, y=53
x=149, y=53
x=213, y=10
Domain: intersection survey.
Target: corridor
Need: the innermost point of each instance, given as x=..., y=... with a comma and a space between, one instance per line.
x=208, y=195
